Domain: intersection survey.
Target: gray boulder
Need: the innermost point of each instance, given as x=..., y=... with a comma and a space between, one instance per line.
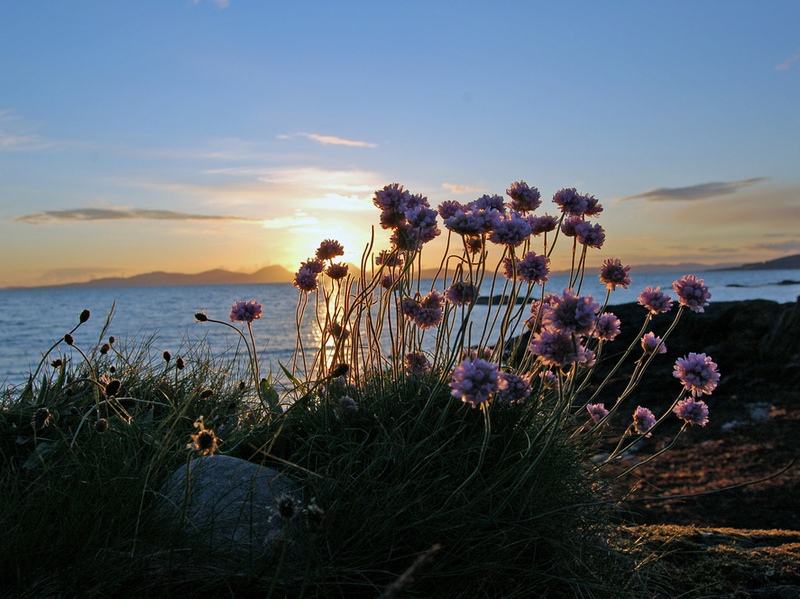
x=229, y=506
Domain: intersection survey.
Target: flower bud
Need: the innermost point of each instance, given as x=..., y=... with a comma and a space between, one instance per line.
x=206, y=393
x=84, y=316
x=101, y=425
x=69, y=339
x=112, y=340
x=340, y=370
x=57, y=363
x=200, y=317
x=179, y=363
x=167, y=356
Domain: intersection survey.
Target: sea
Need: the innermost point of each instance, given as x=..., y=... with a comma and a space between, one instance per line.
x=34, y=319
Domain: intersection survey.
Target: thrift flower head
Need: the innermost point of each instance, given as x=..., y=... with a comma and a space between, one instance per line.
x=474, y=381
x=449, y=208
x=614, y=275
x=530, y=269
x=461, y=293
x=425, y=313
x=242, y=311
x=655, y=300
x=590, y=235
x=511, y=230
x=558, y=348
x=388, y=281
x=542, y=224
x=692, y=293
x=337, y=271
x=570, y=225
x=593, y=207
x=329, y=249
x=204, y=441
x=597, y=411
x=571, y=202
x=549, y=379
x=692, y=411
x=305, y=279
x=606, y=327
x=524, y=198
x=390, y=259
x=417, y=363
x=515, y=390
x=571, y=313
x=698, y=373
x=651, y=343
x=643, y=420
x=490, y=202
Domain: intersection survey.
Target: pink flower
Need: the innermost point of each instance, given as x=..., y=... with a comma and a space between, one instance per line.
x=692, y=411
x=643, y=420
x=692, y=292
x=242, y=311
x=614, y=275
x=651, y=343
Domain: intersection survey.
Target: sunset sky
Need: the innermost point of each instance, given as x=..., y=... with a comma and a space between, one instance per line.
x=182, y=136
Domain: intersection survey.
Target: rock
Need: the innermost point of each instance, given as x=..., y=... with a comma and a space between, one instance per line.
x=230, y=506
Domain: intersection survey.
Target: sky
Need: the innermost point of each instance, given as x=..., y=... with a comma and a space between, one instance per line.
x=188, y=135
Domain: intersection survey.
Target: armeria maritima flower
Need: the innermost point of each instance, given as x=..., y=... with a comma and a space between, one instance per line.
x=692, y=293
x=692, y=411
x=613, y=274
x=523, y=197
x=242, y=311
x=475, y=381
x=571, y=313
x=559, y=348
x=655, y=300
x=643, y=420
x=607, y=327
x=652, y=343
x=698, y=373
x=597, y=411
x=329, y=249
x=517, y=388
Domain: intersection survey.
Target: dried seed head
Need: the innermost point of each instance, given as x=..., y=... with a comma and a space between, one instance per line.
x=101, y=425
x=167, y=356
x=179, y=363
x=112, y=369
x=200, y=317
x=340, y=370
x=112, y=340
x=104, y=349
x=69, y=339
x=204, y=442
x=206, y=393
x=286, y=506
x=57, y=363
x=84, y=316
x=113, y=387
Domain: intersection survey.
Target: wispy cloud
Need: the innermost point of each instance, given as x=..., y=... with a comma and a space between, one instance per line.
x=787, y=64
x=219, y=3
x=290, y=222
x=14, y=137
x=461, y=188
x=331, y=140
x=693, y=192
x=112, y=213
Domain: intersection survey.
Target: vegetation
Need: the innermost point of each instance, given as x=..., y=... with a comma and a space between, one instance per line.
x=435, y=459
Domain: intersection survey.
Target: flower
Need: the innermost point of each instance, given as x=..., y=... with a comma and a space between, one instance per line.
x=593, y=207
x=597, y=411
x=337, y=331
x=417, y=363
x=606, y=327
x=698, y=373
x=590, y=235
x=490, y=202
x=549, y=379
x=337, y=271
x=530, y=269
x=571, y=313
x=570, y=225
x=692, y=293
x=692, y=411
x=515, y=390
x=524, y=198
x=389, y=258
x=461, y=293
x=651, y=343
x=643, y=420
x=425, y=313
x=388, y=280
x=558, y=348
x=329, y=249
x=449, y=208
x=510, y=230
x=542, y=224
x=571, y=202
x=614, y=275
x=655, y=300
x=305, y=279
x=474, y=381
x=242, y=311
x=348, y=404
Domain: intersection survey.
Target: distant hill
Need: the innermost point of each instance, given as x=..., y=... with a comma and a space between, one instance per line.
x=268, y=274
x=785, y=263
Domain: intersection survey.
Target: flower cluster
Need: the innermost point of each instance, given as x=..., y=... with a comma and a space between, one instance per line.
x=242, y=311
x=425, y=313
x=475, y=381
x=698, y=374
x=409, y=216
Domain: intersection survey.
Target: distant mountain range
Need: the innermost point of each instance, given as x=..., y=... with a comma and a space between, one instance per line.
x=278, y=274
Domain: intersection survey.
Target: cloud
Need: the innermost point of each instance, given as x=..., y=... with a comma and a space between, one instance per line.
x=461, y=188
x=219, y=3
x=106, y=214
x=332, y=140
x=787, y=64
x=290, y=222
x=12, y=138
x=702, y=191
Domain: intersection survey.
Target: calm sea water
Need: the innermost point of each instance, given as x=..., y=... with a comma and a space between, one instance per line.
x=31, y=320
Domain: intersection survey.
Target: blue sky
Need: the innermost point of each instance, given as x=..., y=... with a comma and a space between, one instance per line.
x=183, y=136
